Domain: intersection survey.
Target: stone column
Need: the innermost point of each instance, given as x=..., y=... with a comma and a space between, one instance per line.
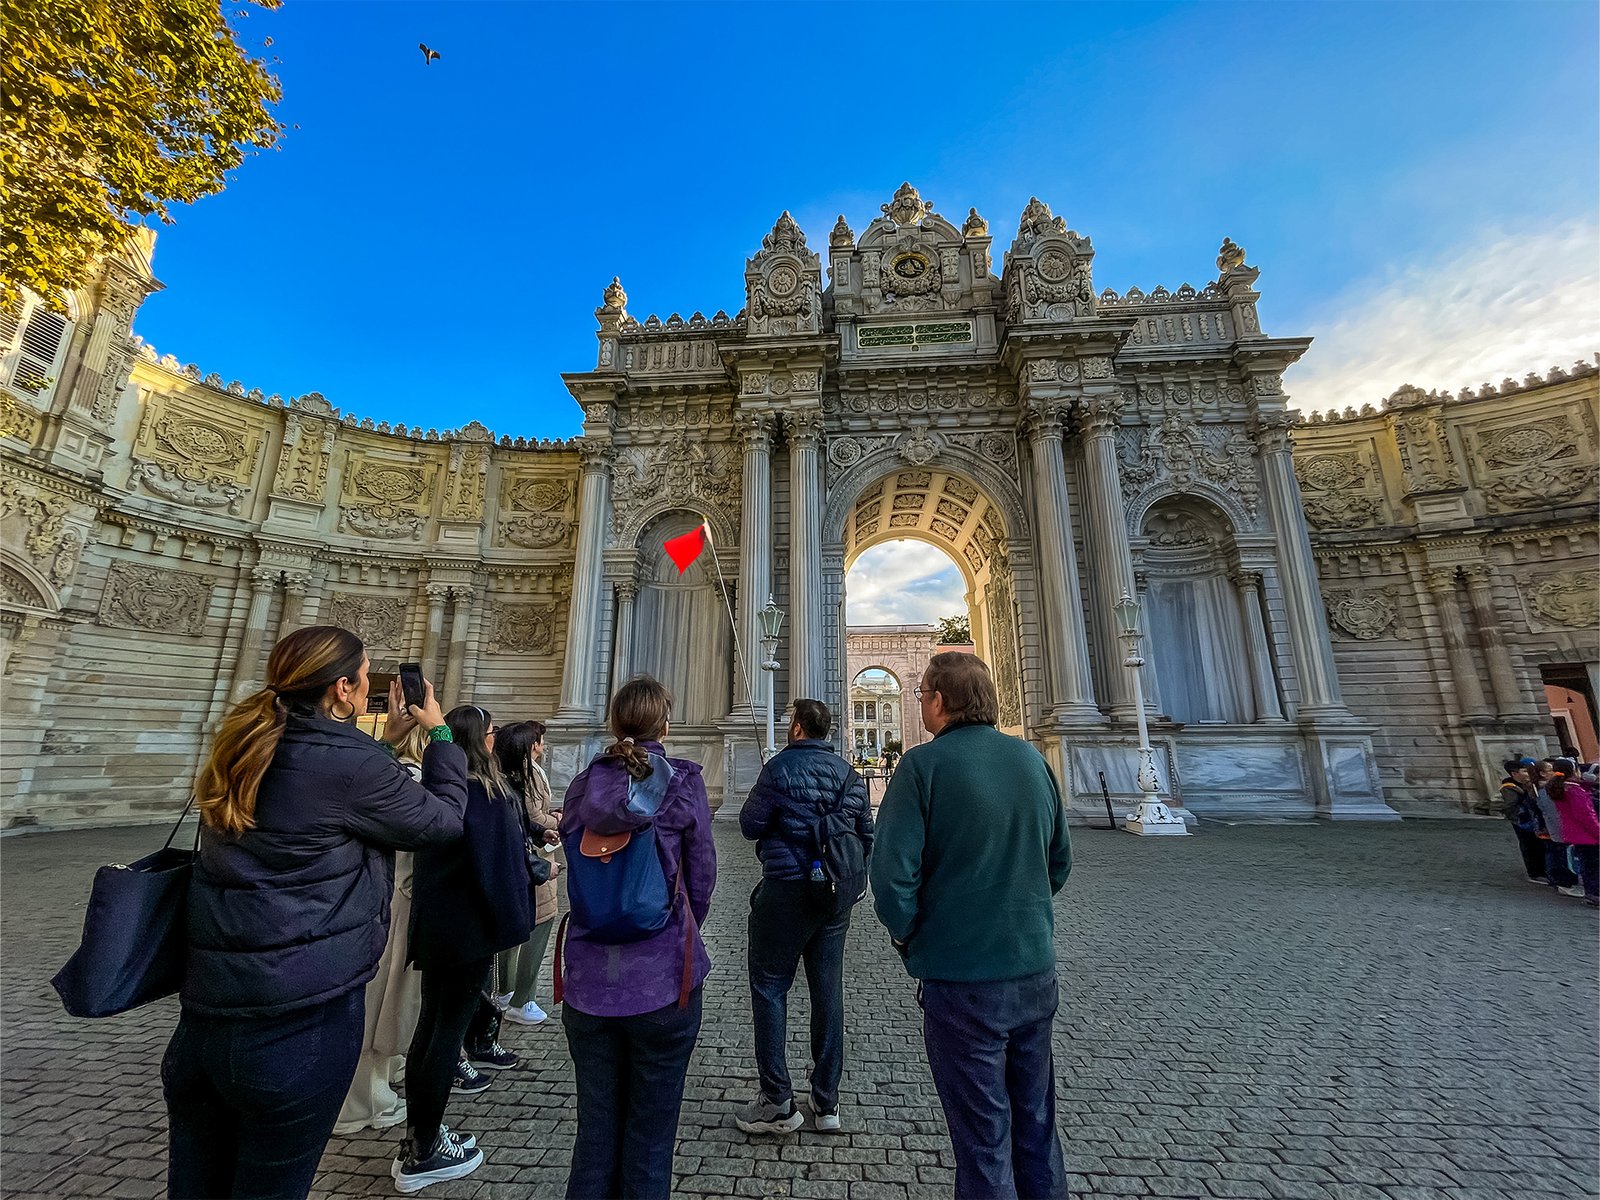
x=456, y=663
x=1262, y=681
x=805, y=555
x=622, y=662
x=1502, y=675
x=1320, y=693
x=438, y=594
x=594, y=510
x=978, y=626
x=295, y=585
x=1463, y=671
x=755, y=555
x=1110, y=560
x=1070, y=695
x=263, y=582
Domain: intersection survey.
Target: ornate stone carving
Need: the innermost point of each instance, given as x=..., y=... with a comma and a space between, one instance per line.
x=381, y=521
x=1333, y=488
x=468, y=478
x=1532, y=465
x=783, y=284
x=523, y=628
x=681, y=470
x=1176, y=454
x=376, y=620
x=18, y=420
x=1568, y=598
x=388, y=483
x=616, y=300
x=1001, y=623
x=154, y=598
x=1230, y=256
x=842, y=236
x=908, y=206
x=43, y=515
x=166, y=482
x=1179, y=531
x=303, y=462
x=1365, y=614
x=919, y=446
x=1425, y=454
x=974, y=226
x=65, y=560
x=204, y=451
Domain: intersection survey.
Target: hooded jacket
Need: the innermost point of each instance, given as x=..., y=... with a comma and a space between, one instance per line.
x=1579, y=825
x=640, y=977
x=801, y=782
x=295, y=911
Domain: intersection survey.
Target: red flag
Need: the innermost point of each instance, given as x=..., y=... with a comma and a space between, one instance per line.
x=684, y=550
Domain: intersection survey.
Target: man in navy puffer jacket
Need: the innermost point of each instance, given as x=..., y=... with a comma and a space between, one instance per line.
x=791, y=917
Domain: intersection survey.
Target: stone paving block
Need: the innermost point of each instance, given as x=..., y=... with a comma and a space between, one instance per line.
x=1325, y=1036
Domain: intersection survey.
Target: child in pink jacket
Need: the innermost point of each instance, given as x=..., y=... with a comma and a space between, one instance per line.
x=1580, y=827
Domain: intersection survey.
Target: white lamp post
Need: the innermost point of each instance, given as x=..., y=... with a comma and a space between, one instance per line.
x=1151, y=817
x=771, y=617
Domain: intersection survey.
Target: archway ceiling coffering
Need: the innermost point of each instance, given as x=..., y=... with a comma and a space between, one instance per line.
x=930, y=505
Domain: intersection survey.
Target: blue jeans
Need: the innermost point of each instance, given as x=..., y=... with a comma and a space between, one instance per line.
x=251, y=1101
x=786, y=926
x=989, y=1047
x=630, y=1074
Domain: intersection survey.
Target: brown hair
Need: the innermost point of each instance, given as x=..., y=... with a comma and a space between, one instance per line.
x=639, y=713
x=966, y=685
x=301, y=669
x=813, y=717
x=469, y=726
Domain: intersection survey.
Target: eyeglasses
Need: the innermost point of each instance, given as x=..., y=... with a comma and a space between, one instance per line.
x=491, y=731
x=917, y=691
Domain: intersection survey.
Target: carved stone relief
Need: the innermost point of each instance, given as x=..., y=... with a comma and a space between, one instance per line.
x=523, y=628
x=164, y=481
x=1174, y=455
x=303, y=462
x=783, y=284
x=1569, y=599
x=18, y=420
x=466, y=482
x=376, y=620
x=43, y=517
x=1365, y=614
x=1334, y=489
x=1425, y=454
x=1533, y=465
x=539, y=512
x=680, y=470
x=387, y=498
x=154, y=598
x=1001, y=624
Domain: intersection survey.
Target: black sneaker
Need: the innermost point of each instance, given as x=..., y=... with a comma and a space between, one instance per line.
x=492, y=1056
x=466, y=1081
x=449, y=1159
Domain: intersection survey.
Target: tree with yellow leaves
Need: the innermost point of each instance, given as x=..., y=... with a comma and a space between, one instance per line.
x=112, y=111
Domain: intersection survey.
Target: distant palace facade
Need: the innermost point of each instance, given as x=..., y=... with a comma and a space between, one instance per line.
x=1347, y=616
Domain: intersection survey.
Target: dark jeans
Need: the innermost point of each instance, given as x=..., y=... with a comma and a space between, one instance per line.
x=449, y=1001
x=1532, y=847
x=1555, y=864
x=787, y=925
x=989, y=1047
x=630, y=1073
x=251, y=1101
x=1588, y=868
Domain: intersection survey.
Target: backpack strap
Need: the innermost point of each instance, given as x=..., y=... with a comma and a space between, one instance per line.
x=686, y=985
x=561, y=941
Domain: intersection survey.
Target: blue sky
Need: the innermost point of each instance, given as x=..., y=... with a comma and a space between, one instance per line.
x=1417, y=182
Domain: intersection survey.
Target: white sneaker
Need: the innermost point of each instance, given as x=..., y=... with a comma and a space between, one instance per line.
x=529, y=1014
x=1574, y=890
x=503, y=1002
x=825, y=1122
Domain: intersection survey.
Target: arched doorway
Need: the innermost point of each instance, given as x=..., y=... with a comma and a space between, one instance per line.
x=875, y=714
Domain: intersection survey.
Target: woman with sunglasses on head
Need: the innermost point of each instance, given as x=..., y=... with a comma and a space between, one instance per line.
x=519, y=748
x=300, y=815
x=470, y=901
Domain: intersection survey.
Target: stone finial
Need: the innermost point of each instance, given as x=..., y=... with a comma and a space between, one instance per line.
x=908, y=208
x=785, y=236
x=842, y=236
x=975, y=225
x=616, y=300
x=1037, y=219
x=1230, y=256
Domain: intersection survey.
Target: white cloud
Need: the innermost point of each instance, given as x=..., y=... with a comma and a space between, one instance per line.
x=1501, y=305
x=903, y=583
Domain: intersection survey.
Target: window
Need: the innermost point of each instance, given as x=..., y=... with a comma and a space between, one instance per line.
x=33, y=347
x=861, y=711
x=872, y=711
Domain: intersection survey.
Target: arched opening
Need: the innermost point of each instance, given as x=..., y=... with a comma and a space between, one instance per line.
x=921, y=546
x=874, y=715
x=1194, y=616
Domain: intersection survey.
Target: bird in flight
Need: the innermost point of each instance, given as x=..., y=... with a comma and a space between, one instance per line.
x=427, y=55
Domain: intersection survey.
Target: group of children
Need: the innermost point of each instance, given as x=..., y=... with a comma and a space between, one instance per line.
x=1553, y=805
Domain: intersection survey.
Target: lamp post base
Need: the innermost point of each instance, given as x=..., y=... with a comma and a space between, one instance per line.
x=1154, y=819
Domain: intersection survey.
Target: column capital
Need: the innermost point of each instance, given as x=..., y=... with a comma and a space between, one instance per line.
x=1274, y=431
x=263, y=576
x=1246, y=580
x=296, y=582
x=596, y=456
x=1044, y=419
x=1098, y=412
x=755, y=428
x=1441, y=579
x=1477, y=573
x=438, y=593
x=803, y=427
x=627, y=590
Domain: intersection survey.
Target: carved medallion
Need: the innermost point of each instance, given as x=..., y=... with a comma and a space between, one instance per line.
x=1366, y=615
x=1570, y=598
x=376, y=620
x=153, y=598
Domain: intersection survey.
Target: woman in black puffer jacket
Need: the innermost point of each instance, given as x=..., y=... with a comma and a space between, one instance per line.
x=289, y=913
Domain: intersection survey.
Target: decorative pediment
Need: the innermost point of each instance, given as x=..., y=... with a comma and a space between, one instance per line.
x=910, y=260
x=783, y=284
x=1048, y=275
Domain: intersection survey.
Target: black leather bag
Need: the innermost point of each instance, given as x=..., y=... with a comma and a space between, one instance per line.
x=135, y=934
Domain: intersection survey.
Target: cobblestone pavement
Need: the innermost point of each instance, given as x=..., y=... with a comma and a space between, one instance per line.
x=1334, y=1013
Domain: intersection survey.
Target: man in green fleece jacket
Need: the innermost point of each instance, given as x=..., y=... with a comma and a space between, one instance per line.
x=971, y=849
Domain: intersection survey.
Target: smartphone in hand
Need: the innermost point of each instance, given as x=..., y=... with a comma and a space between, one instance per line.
x=411, y=686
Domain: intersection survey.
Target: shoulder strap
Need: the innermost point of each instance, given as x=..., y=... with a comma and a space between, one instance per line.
x=561, y=941
x=179, y=823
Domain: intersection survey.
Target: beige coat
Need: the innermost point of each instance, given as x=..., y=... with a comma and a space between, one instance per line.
x=539, y=817
x=394, y=997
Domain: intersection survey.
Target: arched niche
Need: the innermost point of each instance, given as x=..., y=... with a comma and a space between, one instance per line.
x=680, y=631
x=1192, y=613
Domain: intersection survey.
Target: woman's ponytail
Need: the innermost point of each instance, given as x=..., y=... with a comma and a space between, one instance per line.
x=639, y=713
x=243, y=750
x=635, y=758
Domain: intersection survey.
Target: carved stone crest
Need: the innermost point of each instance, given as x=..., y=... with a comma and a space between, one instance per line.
x=908, y=206
x=523, y=628
x=1570, y=598
x=376, y=620
x=169, y=602
x=1366, y=614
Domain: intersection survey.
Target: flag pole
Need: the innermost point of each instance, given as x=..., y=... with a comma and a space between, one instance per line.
x=733, y=628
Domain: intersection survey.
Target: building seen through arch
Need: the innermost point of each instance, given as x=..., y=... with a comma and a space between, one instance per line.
x=1345, y=616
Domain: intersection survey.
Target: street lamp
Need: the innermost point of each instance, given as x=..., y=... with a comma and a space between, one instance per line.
x=771, y=618
x=1151, y=817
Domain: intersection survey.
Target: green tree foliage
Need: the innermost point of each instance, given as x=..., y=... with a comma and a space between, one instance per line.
x=954, y=631
x=112, y=111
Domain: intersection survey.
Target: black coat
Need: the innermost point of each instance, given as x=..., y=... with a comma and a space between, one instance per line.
x=295, y=911
x=796, y=786
x=469, y=899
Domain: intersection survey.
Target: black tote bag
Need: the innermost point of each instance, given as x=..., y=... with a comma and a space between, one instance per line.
x=135, y=934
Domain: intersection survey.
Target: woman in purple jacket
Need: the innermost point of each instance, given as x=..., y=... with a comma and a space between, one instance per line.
x=631, y=1009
